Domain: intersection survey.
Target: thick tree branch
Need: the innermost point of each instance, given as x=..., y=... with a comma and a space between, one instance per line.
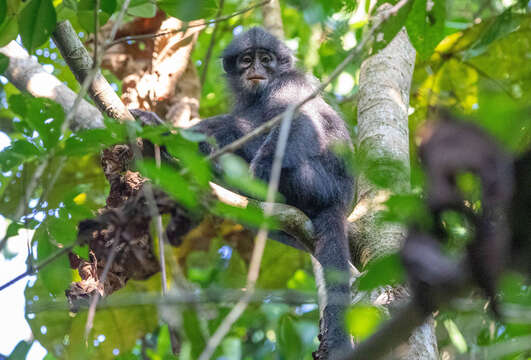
x=81, y=64
x=29, y=76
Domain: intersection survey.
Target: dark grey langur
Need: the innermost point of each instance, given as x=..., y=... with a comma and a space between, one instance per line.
x=264, y=81
x=261, y=72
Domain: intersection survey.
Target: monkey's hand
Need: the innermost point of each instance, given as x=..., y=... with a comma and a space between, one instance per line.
x=147, y=118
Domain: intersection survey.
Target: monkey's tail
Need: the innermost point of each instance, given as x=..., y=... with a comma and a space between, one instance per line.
x=332, y=252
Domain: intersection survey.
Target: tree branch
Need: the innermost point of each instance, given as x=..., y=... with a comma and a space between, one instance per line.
x=81, y=64
x=29, y=76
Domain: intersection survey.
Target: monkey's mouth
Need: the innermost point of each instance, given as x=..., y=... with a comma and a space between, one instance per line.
x=256, y=79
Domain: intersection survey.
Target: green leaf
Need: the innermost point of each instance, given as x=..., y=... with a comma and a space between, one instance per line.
x=393, y=25
x=71, y=4
x=146, y=10
x=193, y=332
x=407, y=209
x=236, y=174
x=192, y=135
x=387, y=270
x=42, y=115
x=121, y=326
x=279, y=263
x=188, y=10
x=89, y=141
x=19, y=152
x=502, y=25
x=85, y=14
x=3, y=11
x=4, y=62
x=56, y=275
x=8, y=30
x=62, y=231
x=425, y=26
x=251, y=215
x=234, y=275
x=25, y=148
x=13, y=228
x=20, y=351
x=289, y=340
x=109, y=6
x=302, y=281
x=81, y=251
x=164, y=342
x=17, y=104
x=362, y=320
x=455, y=336
x=232, y=348
x=170, y=181
x=46, y=117
x=200, y=268
x=36, y=23
x=187, y=152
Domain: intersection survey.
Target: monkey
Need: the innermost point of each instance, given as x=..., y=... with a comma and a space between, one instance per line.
x=263, y=78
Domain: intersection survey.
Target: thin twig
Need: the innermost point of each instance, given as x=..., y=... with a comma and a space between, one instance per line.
x=211, y=45
x=160, y=235
x=96, y=31
x=51, y=183
x=260, y=241
x=39, y=266
x=185, y=27
x=223, y=297
x=31, y=187
x=94, y=301
x=27, y=193
x=488, y=77
x=348, y=59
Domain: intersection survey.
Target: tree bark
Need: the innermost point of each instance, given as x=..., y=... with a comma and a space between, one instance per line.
x=383, y=142
x=29, y=76
x=272, y=17
x=76, y=56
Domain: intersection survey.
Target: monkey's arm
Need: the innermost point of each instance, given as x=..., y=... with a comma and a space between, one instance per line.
x=303, y=143
x=221, y=128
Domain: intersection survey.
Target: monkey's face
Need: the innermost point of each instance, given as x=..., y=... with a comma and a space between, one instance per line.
x=257, y=68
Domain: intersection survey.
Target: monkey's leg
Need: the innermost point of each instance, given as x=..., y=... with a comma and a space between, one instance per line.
x=332, y=252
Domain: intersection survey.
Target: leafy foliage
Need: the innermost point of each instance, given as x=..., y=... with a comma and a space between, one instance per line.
x=471, y=58
x=36, y=23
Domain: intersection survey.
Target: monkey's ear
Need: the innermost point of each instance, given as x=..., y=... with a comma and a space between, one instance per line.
x=229, y=64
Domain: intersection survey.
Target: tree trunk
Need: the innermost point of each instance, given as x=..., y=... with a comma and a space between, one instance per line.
x=383, y=142
x=272, y=16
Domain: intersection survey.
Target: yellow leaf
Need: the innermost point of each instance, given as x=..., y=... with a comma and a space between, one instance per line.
x=80, y=199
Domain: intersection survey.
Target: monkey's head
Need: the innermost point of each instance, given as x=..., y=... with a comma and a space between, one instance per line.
x=254, y=59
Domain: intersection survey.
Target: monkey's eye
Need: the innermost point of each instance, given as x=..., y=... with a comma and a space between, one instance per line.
x=246, y=59
x=266, y=59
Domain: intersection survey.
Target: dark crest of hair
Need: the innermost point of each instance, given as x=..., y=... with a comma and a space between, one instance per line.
x=257, y=38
